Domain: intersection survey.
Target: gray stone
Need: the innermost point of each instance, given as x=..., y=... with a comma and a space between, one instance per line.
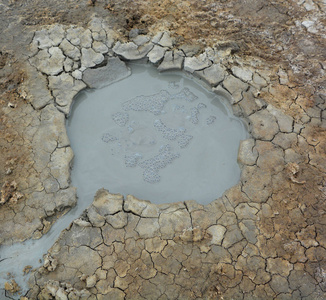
x=166, y=40
x=263, y=125
x=70, y=50
x=90, y=58
x=114, y=70
x=49, y=61
x=192, y=64
x=131, y=51
x=247, y=154
x=213, y=75
x=156, y=54
x=173, y=60
x=235, y=87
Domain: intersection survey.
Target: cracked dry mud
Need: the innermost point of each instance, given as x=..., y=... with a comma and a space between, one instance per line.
x=263, y=239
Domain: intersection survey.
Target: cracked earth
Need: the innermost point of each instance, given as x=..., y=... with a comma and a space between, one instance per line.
x=263, y=239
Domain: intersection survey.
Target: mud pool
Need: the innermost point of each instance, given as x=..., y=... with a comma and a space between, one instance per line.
x=162, y=137
x=158, y=136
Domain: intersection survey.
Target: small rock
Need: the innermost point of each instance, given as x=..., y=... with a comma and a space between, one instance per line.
x=50, y=263
x=12, y=286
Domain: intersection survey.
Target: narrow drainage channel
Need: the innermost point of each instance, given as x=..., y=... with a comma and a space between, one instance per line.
x=161, y=137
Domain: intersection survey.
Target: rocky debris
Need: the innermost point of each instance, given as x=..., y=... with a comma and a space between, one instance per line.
x=12, y=286
x=9, y=193
x=113, y=71
x=50, y=263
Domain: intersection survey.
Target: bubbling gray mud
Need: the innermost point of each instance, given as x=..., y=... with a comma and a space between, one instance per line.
x=160, y=137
